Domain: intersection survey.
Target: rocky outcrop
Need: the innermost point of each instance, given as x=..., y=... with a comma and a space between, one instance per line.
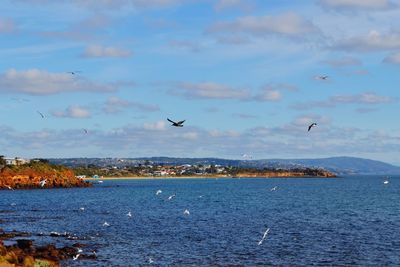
x=25, y=254
x=30, y=175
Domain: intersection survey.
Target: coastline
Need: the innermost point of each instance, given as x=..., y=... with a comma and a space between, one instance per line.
x=200, y=177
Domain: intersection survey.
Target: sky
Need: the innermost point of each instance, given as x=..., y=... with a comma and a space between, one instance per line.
x=243, y=74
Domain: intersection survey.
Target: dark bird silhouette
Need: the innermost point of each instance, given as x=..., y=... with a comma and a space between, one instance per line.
x=85, y=131
x=312, y=125
x=322, y=77
x=41, y=114
x=74, y=72
x=176, y=124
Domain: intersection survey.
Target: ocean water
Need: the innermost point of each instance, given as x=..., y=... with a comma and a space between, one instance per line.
x=349, y=221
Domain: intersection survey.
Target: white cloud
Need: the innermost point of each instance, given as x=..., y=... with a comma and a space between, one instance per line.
x=366, y=98
x=77, y=112
x=41, y=82
x=356, y=4
x=115, y=105
x=343, y=62
x=393, y=58
x=7, y=25
x=288, y=24
x=210, y=90
x=372, y=42
x=156, y=126
x=97, y=51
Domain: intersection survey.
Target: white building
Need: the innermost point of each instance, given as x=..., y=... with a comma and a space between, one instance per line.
x=16, y=161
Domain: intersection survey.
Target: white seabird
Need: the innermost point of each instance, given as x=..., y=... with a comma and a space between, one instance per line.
x=129, y=214
x=158, y=192
x=42, y=183
x=106, y=224
x=76, y=257
x=264, y=237
x=171, y=197
x=186, y=212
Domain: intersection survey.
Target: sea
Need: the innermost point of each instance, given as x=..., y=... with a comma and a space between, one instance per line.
x=345, y=221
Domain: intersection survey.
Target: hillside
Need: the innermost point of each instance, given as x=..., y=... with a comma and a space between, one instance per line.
x=339, y=165
x=29, y=176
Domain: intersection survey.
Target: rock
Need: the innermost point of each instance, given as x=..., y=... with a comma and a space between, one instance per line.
x=29, y=261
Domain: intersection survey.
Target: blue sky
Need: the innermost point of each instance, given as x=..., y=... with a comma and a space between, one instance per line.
x=242, y=73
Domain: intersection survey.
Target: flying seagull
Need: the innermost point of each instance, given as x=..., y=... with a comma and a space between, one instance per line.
x=9, y=187
x=42, y=183
x=129, y=214
x=311, y=125
x=386, y=182
x=171, y=197
x=85, y=131
x=186, y=212
x=41, y=114
x=264, y=237
x=274, y=188
x=74, y=72
x=106, y=224
x=76, y=257
x=322, y=77
x=176, y=124
x=158, y=192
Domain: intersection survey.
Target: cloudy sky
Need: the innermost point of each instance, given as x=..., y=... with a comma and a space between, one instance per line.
x=242, y=73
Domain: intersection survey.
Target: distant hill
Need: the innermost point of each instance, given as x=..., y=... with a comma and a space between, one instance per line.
x=339, y=165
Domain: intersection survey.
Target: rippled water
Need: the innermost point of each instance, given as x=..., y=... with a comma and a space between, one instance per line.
x=321, y=222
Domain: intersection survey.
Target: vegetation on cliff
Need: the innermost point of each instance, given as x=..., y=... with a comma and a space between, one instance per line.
x=31, y=174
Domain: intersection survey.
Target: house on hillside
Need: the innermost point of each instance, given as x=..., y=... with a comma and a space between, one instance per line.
x=16, y=161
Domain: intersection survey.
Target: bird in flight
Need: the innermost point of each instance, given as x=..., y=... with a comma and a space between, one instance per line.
x=311, y=125
x=85, y=131
x=74, y=72
x=42, y=183
x=129, y=214
x=41, y=114
x=186, y=212
x=274, y=188
x=158, y=192
x=106, y=224
x=75, y=257
x=322, y=77
x=171, y=197
x=176, y=124
x=264, y=237
x=9, y=187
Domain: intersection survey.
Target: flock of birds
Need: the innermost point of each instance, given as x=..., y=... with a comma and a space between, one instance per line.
x=186, y=212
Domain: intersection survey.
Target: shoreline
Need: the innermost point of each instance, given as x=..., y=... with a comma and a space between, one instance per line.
x=200, y=177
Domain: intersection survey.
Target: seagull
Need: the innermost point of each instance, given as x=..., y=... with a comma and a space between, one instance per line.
x=171, y=197
x=100, y=182
x=264, y=237
x=322, y=77
x=129, y=214
x=9, y=187
x=158, y=192
x=82, y=208
x=76, y=257
x=245, y=156
x=186, y=212
x=40, y=113
x=80, y=250
x=151, y=260
x=74, y=72
x=176, y=124
x=274, y=188
x=85, y=131
x=43, y=182
x=311, y=125
x=386, y=182
x=106, y=224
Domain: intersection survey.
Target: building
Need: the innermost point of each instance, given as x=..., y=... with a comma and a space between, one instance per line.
x=16, y=161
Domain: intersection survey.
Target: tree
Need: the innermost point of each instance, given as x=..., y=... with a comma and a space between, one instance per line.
x=3, y=162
